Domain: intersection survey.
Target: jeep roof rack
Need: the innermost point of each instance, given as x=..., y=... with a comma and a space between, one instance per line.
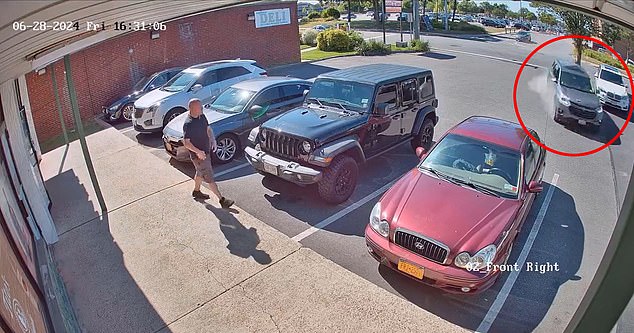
x=375, y=73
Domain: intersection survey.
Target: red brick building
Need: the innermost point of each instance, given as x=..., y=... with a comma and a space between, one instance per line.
x=109, y=69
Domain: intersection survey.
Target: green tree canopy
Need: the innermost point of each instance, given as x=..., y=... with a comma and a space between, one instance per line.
x=468, y=7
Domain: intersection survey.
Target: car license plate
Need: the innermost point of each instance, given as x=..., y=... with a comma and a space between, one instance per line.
x=410, y=269
x=582, y=122
x=270, y=168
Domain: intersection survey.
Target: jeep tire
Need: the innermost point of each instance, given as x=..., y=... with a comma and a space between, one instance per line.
x=425, y=136
x=339, y=180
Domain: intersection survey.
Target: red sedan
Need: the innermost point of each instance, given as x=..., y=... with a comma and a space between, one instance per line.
x=451, y=221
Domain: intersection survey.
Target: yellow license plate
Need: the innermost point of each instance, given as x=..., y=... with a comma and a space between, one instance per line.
x=410, y=269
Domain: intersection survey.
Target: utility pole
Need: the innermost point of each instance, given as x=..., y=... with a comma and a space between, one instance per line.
x=521, y=14
x=349, y=12
x=416, y=13
x=445, y=17
x=383, y=18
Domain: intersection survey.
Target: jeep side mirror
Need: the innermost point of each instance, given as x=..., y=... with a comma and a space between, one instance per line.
x=196, y=87
x=380, y=109
x=535, y=187
x=421, y=152
x=306, y=92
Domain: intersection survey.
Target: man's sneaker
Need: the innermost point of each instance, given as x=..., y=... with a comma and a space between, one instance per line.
x=225, y=203
x=200, y=195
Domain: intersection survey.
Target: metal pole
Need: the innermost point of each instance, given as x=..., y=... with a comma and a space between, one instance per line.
x=445, y=17
x=383, y=19
x=80, y=131
x=611, y=288
x=349, y=11
x=416, y=25
x=58, y=104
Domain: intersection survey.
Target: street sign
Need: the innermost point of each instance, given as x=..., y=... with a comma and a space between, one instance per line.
x=393, y=9
x=393, y=3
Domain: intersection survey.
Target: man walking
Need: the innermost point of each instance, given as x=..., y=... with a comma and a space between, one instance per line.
x=200, y=141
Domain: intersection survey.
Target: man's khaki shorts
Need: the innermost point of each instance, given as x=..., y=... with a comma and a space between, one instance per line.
x=203, y=168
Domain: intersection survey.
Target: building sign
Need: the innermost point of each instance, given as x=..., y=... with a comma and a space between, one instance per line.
x=393, y=6
x=20, y=307
x=272, y=17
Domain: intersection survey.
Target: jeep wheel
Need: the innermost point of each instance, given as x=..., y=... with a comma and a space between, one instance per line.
x=339, y=180
x=425, y=136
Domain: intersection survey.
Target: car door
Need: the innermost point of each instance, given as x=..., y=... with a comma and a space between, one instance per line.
x=533, y=160
x=385, y=128
x=209, y=82
x=270, y=101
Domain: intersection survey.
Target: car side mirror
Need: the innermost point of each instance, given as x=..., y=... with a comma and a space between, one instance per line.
x=305, y=92
x=196, y=87
x=255, y=109
x=421, y=152
x=380, y=109
x=535, y=187
x=554, y=79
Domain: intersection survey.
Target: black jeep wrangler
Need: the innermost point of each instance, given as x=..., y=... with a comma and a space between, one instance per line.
x=348, y=116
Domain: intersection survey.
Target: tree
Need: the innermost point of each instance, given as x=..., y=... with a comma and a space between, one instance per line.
x=468, y=7
x=547, y=18
x=455, y=6
x=577, y=24
x=499, y=10
x=487, y=8
x=610, y=33
x=407, y=6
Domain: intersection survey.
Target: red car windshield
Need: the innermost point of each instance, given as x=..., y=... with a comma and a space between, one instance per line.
x=471, y=161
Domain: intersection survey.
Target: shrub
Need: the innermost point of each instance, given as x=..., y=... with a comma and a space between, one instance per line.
x=373, y=47
x=303, y=20
x=355, y=40
x=331, y=12
x=314, y=15
x=334, y=40
x=420, y=45
x=309, y=37
x=604, y=58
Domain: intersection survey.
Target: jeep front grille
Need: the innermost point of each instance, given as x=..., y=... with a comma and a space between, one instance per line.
x=282, y=145
x=421, y=246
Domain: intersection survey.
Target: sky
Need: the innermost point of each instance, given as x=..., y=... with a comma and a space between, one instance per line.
x=511, y=4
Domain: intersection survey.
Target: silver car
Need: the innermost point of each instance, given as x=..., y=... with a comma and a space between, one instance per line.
x=238, y=109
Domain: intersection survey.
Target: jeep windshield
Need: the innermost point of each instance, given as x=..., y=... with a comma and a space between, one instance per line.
x=612, y=77
x=232, y=100
x=344, y=95
x=576, y=81
x=468, y=162
x=179, y=82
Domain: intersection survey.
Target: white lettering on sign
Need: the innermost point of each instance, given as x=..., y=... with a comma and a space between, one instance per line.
x=272, y=17
x=393, y=3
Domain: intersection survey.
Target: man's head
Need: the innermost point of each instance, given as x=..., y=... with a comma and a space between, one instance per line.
x=195, y=107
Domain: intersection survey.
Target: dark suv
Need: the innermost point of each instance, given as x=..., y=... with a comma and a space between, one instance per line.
x=348, y=116
x=575, y=98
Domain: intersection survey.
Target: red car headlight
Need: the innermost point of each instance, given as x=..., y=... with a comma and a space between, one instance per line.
x=382, y=227
x=479, y=261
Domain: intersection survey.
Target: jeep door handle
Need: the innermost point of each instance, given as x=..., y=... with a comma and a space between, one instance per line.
x=397, y=117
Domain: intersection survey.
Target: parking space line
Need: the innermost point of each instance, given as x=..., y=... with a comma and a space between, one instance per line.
x=495, y=308
x=127, y=130
x=489, y=56
x=343, y=212
x=237, y=167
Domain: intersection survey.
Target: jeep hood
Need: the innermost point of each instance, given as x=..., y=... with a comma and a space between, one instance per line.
x=589, y=100
x=318, y=124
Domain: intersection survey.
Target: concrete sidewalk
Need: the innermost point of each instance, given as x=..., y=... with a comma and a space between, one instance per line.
x=159, y=261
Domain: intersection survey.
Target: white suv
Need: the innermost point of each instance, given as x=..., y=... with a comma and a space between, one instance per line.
x=612, y=89
x=204, y=81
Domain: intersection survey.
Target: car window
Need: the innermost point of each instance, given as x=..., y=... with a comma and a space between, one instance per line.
x=556, y=72
x=232, y=100
x=387, y=95
x=231, y=72
x=576, y=81
x=530, y=161
x=292, y=91
x=160, y=80
x=352, y=95
x=408, y=89
x=268, y=97
x=426, y=87
x=208, y=78
x=612, y=77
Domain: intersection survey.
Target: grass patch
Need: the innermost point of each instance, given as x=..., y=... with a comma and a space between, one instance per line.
x=302, y=46
x=90, y=127
x=325, y=21
x=598, y=58
x=371, y=24
x=319, y=55
x=494, y=29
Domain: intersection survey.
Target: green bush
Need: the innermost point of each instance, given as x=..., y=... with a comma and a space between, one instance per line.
x=331, y=12
x=314, y=15
x=420, y=45
x=355, y=40
x=304, y=20
x=373, y=47
x=604, y=58
x=309, y=37
x=334, y=40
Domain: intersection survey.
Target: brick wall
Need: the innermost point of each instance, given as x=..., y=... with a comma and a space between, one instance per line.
x=108, y=70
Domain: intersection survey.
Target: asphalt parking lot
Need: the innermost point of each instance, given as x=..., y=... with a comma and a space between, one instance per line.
x=570, y=223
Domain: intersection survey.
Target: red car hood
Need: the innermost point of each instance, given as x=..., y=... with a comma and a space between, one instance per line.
x=461, y=218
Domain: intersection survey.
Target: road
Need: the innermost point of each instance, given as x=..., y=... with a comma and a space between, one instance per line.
x=473, y=76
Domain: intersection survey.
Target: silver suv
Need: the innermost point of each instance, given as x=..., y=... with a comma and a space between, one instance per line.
x=205, y=81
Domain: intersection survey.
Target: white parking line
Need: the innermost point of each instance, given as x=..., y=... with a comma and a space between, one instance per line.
x=493, y=312
x=342, y=212
x=127, y=130
x=237, y=167
x=488, y=56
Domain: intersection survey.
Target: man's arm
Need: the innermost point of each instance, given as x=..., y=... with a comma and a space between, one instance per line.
x=189, y=145
x=212, y=139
